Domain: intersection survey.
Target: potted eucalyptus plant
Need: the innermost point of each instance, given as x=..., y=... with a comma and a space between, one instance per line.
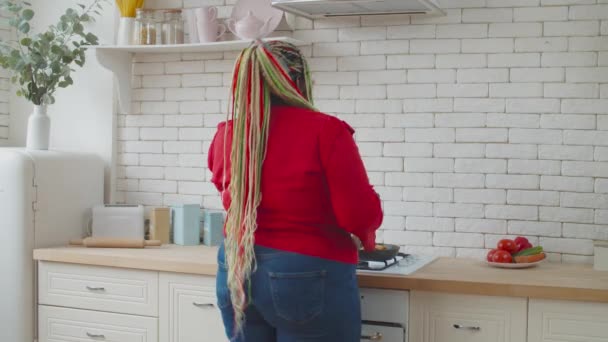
x=42, y=63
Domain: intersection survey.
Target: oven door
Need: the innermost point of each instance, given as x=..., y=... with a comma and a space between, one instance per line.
x=384, y=333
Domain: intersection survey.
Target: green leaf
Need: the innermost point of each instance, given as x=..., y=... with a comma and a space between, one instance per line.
x=24, y=27
x=26, y=41
x=82, y=6
x=27, y=14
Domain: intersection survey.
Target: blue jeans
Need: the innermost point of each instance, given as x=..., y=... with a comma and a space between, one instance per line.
x=295, y=298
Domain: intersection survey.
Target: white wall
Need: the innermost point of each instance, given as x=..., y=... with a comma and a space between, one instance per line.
x=83, y=117
x=4, y=90
x=489, y=122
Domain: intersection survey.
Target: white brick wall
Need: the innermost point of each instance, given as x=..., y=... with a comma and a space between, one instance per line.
x=5, y=90
x=490, y=122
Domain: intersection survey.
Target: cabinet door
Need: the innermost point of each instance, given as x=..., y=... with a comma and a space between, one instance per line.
x=67, y=325
x=439, y=317
x=372, y=332
x=567, y=321
x=188, y=310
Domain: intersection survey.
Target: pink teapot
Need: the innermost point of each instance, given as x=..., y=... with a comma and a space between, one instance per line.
x=249, y=27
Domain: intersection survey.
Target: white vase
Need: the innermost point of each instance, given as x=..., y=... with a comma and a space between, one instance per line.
x=38, y=129
x=125, y=31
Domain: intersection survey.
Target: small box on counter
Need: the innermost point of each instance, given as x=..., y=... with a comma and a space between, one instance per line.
x=160, y=225
x=186, y=224
x=213, y=228
x=600, y=261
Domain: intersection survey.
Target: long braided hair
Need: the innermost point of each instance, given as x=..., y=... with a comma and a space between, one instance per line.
x=264, y=72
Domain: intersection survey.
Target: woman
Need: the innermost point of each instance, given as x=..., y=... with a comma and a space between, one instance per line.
x=295, y=189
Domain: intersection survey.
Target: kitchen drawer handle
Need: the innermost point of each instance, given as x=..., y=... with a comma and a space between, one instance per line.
x=98, y=289
x=464, y=327
x=375, y=337
x=203, y=305
x=98, y=336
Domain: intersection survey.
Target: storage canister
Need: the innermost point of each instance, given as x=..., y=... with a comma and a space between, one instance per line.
x=186, y=224
x=213, y=228
x=600, y=258
x=160, y=225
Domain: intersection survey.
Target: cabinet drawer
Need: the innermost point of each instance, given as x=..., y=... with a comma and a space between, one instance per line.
x=382, y=333
x=67, y=325
x=567, y=321
x=188, y=309
x=384, y=306
x=99, y=288
x=439, y=317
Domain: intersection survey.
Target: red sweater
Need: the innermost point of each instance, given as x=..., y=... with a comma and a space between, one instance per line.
x=315, y=190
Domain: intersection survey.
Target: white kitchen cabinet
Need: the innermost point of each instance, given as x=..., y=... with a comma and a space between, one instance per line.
x=566, y=321
x=98, y=288
x=188, y=310
x=372, y=332
x=57, y=324
x=440, y=317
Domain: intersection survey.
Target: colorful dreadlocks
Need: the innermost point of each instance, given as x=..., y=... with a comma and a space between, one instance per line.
x=262, y=71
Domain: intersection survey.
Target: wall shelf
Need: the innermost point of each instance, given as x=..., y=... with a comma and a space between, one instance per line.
x=119, y=59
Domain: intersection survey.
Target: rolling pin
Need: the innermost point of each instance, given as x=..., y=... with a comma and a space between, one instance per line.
x=114, y=243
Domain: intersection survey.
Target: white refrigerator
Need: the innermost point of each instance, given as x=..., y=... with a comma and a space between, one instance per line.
x=45, y=200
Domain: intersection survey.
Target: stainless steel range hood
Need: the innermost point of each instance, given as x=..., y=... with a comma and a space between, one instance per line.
x=335, y=8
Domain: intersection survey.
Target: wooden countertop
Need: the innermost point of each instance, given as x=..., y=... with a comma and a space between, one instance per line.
x=466, y=276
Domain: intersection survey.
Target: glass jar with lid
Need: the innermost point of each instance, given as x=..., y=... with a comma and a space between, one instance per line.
x=146, y=27
x=173, y=27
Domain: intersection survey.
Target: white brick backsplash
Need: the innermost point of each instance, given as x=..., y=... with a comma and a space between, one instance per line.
x=479, y=105
x=573, y=28
x=535, y=228
x=460, y=61
x=411, y=62
x=462, y=31
x=458, y=239
x=458, y=210
x=559, y=214
x=516, y=90
x=490, y=45
x=584, y=200
x=407, y=149
x=535, y=136
x=482, y=75
x=460, y=120
x=533, y=197
x=487, y=15
x=428, y=195
x=585, y=231
x=488, y=196
x=481, y=165
x=481, y=226
x=458, y=180
x=562, y=152
x=409, y=238
x=513, y=120
x=560, y=183
x=512, y=181
x=429, y=165
x=459, y=150
x=429, y=134
x=514, y=60
x=538, y=167
x=516, y=30
x=429, y=224
x=515, y=212
x=481, y=135
x=435, y=46
x=409, y=179
x=514, y=151
x=499, y=106
x=570, y=246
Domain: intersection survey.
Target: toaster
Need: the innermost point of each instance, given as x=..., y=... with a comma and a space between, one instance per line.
x=118, y=221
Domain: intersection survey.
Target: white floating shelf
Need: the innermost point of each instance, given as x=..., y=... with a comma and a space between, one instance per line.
x=119, y=59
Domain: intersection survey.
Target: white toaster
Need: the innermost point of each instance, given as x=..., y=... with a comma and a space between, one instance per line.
x=118, y=221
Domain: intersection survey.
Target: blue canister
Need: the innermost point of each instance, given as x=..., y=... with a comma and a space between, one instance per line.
x=186, y=224
x=213, y=228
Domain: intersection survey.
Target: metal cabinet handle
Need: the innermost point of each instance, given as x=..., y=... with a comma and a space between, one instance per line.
x=375, y=337
x=98, y=336
x=464, y=327
x=203, y=305
x=92, y=288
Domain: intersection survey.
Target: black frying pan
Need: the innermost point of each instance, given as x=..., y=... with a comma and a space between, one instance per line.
x=388, y=253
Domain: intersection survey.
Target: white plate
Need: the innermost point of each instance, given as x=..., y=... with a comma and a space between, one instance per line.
x=261, y=9
x=514, y=265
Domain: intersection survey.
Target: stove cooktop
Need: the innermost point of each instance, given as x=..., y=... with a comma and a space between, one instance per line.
x=403, y=264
